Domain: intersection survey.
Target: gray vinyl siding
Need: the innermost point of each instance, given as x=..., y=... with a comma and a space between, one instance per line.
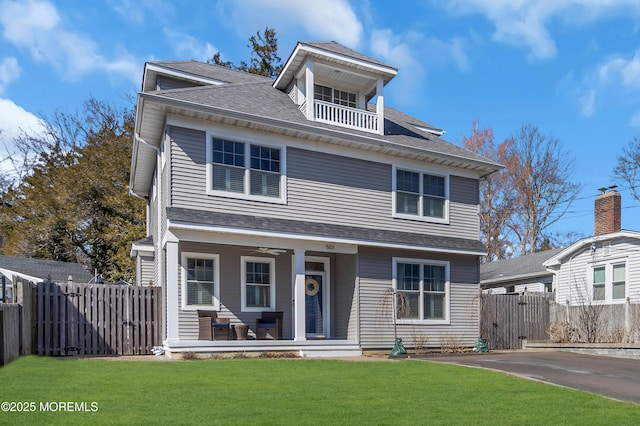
x=147, y=271
x=345, y=298
x=376, y=313
x=167, y=83
x=230, y=289
x=322, y=188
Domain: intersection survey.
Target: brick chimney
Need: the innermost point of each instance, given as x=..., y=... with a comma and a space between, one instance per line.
x=607, y=213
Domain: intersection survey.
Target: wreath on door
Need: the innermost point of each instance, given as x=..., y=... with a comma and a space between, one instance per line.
x=311, y=287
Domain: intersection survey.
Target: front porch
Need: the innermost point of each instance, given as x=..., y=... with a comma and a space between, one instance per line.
x=307, y=348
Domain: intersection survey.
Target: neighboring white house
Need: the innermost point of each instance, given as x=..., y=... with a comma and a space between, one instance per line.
x=300, y=196
x=604, y=268
x=518, y=275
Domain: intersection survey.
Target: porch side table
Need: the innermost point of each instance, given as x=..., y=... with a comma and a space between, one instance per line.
x=241, y=331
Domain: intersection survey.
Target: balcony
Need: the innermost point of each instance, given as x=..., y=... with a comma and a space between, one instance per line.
x=353, y=118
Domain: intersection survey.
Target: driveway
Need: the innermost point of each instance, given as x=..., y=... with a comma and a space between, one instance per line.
x=617, y=378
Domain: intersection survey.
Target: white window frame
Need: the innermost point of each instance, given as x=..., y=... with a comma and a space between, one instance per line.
x=608, y=281
x=246, y=195
x=447, y=286
x=216, y=283
x=420, y=216
x=272, y=283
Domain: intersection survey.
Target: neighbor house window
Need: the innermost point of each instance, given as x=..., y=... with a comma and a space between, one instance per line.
x=246, y=170
x=618, y=283
x=422, y=288
x=258, y=284
x=420, y=195
x=599, y=278
x=199, y=280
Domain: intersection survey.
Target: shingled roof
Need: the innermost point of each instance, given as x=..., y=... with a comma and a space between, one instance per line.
x=45, y=269
x=348, y=234
x=516, y=268
x=261, y=100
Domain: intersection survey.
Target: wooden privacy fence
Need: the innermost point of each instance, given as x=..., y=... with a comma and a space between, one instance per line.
x=507, y=319
x=10, y=332
x=96, y=319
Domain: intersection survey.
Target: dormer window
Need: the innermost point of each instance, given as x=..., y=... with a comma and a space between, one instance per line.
x=340, y=97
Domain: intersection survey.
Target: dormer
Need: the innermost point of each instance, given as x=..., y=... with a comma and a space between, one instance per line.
x=334, y=84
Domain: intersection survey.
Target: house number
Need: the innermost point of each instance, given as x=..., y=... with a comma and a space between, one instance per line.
x=330, y=246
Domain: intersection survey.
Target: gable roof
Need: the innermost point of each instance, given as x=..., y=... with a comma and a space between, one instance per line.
x=43, y=269
x=243, y=99
x=530, y=266
x=560, y=257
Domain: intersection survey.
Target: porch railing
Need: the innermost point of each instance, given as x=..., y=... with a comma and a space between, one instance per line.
x=328, y=112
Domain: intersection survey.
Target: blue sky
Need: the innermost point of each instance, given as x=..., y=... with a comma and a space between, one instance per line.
x=570, y=67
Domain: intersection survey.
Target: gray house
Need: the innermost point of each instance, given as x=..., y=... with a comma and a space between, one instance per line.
x=302, y=199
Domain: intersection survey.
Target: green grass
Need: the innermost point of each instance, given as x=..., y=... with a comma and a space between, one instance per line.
x=294, y=392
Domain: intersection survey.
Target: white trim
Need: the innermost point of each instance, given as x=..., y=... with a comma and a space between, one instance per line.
x=247, y=142
x=420, y=216
x=216, y=280
x=447, y=303
x=170, y=72
x=608, y=281
x=243, y=283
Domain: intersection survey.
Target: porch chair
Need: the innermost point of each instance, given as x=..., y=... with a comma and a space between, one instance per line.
x=210, y=327
x=269, y=326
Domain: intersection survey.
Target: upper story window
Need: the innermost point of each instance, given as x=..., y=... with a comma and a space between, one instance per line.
x=340, y=97
x=246, y=170
x=423, y=290
x=420, y=195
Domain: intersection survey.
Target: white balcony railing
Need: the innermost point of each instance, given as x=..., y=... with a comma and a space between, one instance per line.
x=353, y=118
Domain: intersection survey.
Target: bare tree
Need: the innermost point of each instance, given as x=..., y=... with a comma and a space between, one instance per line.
x=540, y=173
x=628, y=168
x=496, y=194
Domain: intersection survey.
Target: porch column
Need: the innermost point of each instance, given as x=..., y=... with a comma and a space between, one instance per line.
x=309, y=81
x=380, y=105
x=171, y=290
x=299, y=330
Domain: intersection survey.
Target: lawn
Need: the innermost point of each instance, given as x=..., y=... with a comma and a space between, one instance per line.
x=291, y=392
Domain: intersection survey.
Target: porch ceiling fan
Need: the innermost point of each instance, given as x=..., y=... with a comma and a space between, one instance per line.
x=267, y=250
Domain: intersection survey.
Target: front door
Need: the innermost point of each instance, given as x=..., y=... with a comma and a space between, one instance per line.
x=314, y=288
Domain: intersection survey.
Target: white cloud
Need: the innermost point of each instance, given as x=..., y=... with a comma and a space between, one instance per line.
x=37, y=26
x=9, y=71
x=188, y=47
x=587, y=103
x=524, y=23
x=615, y=80
x=13, y=121
x=326, y=20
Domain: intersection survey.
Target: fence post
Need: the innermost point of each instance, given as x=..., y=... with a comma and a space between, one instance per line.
x=627, y=321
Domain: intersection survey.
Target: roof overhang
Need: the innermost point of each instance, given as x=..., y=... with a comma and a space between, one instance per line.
x=295, y=239
x=15, y=274
x=153, y=108
x=504, y=280
x=151, y=72
x=304, y=52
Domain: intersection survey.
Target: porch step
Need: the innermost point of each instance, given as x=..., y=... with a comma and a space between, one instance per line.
x=307, y=349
